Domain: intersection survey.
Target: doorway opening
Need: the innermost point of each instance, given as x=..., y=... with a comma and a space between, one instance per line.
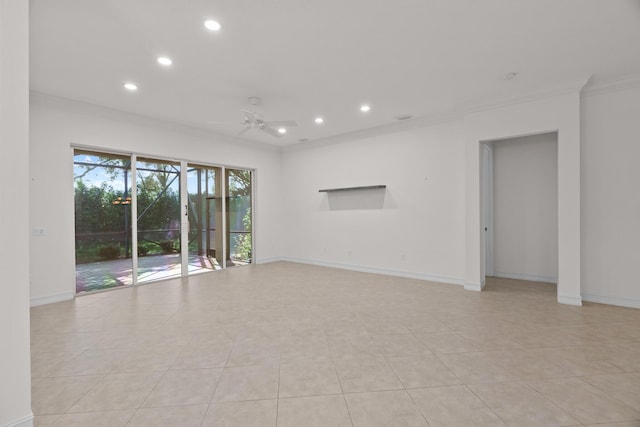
x=520, y=209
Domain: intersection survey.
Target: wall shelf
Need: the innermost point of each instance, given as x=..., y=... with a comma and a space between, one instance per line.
x=366, y=187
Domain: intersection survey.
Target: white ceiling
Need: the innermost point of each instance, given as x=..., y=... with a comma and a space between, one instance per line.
x=324, y=57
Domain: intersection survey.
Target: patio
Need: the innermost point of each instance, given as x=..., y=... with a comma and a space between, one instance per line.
x=114, y=273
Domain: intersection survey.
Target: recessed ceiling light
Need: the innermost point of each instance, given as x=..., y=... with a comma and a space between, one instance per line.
x=131, y=86
x=212, y=25
x=282, y=131
x=163, y=60
x=319, y=120
x=365, y=108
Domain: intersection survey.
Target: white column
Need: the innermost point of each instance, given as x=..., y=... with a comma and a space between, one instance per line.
x=15, y=376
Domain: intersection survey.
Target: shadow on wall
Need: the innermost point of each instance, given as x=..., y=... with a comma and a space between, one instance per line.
x=365, y=199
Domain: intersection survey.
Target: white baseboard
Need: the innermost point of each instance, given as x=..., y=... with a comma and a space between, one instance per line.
x=602, y=299
x=26, y=421
x=52, y=298
x=375, y=270
x=570, y=300
x=268, y=260
x=473, y=286
x=529, y=277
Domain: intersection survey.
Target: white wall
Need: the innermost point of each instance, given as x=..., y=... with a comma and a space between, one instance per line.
x=525, y=213
x=611, y=196
x=420, y=228
x=414, y=228
x=57, y=123
x=15, y=360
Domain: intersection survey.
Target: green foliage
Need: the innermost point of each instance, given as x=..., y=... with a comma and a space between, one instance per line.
x=243, y=242
x=109, y=252
x=101, y=225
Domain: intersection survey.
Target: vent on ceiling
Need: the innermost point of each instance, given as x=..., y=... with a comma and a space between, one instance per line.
x=404, y=117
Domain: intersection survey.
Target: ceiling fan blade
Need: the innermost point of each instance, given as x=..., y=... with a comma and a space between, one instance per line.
x=271, y=131
x=283, y=123
x=249, y=116
x=243, y=131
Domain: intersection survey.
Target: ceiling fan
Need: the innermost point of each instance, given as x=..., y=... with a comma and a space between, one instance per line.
x=255, y=120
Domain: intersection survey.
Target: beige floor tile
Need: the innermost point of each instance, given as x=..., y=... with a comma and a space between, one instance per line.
x=253, y=351
x=147, y=359
x=95, y=419
x=256, y=413
x=490, y=339
x=314, y=411
x=93, y=362
x=196, y=356
x=422, y=371
x=366, y=374
x=57, y=395
x=173, y=416
x=528, y=364
x=248, y=383
x=453, y=406
x=576, y=361
x=476, y=368
x=446, y=342
x=384, y=408
x=348, y=346
x=626, y=356
x=519, y=405
x=310, y=348
x=308, y=378
x=184, y=387
x=620, y=424
x=624, y=387
x=45, y=420
x=48, y=363
x=399, y=345
x=258, y=322
x=65, y=341
x=424, y=323
x=118, y=392
x=584, y=402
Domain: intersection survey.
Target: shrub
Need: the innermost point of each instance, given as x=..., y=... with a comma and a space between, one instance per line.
x=167, y=246
x=109, y=252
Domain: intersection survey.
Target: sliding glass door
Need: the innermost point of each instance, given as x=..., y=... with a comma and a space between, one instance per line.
x=102, y=185
x=239, y=217
x=158, y=196
x=141, y=219
x=205, y=218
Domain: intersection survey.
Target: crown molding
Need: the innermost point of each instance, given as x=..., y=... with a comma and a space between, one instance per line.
x=45, y=99
x=604, y=86
x=385, y=129
x=470, y=107
x=485, y=104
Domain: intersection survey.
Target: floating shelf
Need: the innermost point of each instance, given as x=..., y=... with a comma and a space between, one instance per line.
x=366, y=187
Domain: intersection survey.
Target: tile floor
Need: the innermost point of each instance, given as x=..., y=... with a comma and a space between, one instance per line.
x=287, y=344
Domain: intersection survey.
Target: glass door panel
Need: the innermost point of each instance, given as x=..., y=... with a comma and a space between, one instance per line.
x=158, y=206
x=204, y=205
x=239, y=217
x=103, y=244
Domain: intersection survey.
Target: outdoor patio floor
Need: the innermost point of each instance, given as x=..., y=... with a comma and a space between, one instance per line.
x=115, y=273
